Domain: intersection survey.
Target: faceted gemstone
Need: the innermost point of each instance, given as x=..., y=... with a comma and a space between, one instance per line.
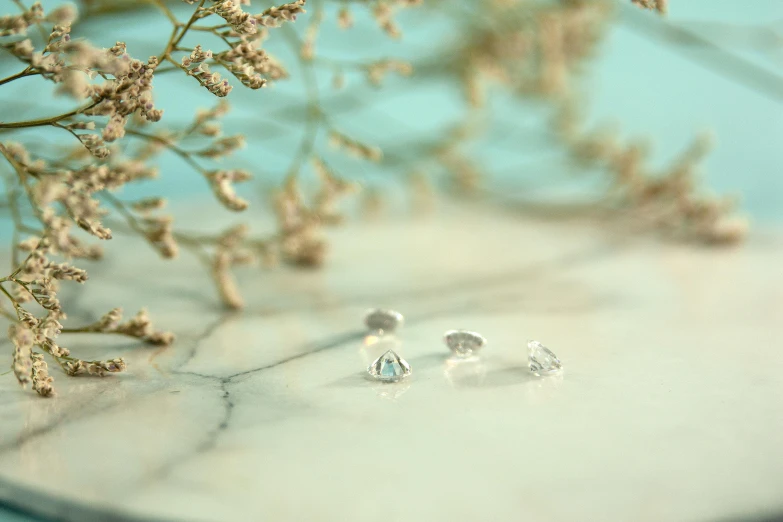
x=541, y=359
x=464, y=343
x=380, y=320
x=389, y=367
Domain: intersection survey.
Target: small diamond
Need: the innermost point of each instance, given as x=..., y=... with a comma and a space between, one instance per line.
x=463, y=343
x=541, y=359
x=389, y=367
x=380, y=320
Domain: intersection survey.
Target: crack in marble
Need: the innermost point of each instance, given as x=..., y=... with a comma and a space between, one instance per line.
x=228, y=409
x=334, y=342
x=213, y=435
x=206, y=334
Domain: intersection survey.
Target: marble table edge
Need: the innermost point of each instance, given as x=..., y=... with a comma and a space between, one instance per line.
x=50, y=507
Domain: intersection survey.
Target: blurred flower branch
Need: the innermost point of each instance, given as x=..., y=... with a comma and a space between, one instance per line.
x=61, y=201
x=71, y=190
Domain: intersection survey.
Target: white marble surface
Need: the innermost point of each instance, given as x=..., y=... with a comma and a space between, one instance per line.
x=670, y=408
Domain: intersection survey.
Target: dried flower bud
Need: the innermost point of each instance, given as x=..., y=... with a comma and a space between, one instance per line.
x=727, y=230
x=213, y=82
x=140, y=327
x=221, y=181
x=355, y=148
x=210, y=129
x=115, y=128
x=233, y=237
x=50, y=326
x=18, y=24
x=160, y=235
x=160, y=338
x=42, y=381
x=304, y=250
x=225, y=282
x=99, y=368
x=63, y=15
x=95, y=145
x=81, y=125
x=197, y=56
x=118, y=49
x=54, y=349
x=344, y=18
x=45, y=295
x=275, y=16
x=383, y=16
x=110, y=320
x=22, y=338
x=239, y=21
x=63, y=271
x=23, y=49
x=659, y=5
x=148, y=204
x=376, y=71
x=223, y=146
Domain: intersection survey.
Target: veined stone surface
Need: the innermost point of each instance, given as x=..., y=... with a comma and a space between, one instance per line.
x=670, y=408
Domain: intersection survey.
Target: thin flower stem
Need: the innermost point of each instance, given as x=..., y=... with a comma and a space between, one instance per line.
x=7, y=314
x=90, y=329
x=7, y=294
x=195, y=246
x=71, y=131
x=21, y=172
x=166, y=11
x=46, y=121
x=24, y=284
x=315, y=114
x=185, y=155
x=175, y=38
x=21, y=74
x=122, y=209
x=12, y=194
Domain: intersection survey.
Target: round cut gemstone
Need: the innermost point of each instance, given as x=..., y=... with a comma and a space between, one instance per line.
x=464, y=343
x=380, y=320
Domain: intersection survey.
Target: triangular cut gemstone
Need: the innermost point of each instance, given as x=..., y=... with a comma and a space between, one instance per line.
x=389, y=367
x=541, y=359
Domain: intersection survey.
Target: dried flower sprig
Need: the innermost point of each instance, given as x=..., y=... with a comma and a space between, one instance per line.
x=666, y=200
x=35, y=280
x=277, y=15
x=139, y=327
x=658, y=5
x=68, y=193
x=539, y=50
x=355, y=147
x=98, y=368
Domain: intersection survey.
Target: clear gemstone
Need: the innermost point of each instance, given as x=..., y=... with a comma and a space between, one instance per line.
x=541, y=359
x=464, y=343
x=380, y=320
x=389, y=367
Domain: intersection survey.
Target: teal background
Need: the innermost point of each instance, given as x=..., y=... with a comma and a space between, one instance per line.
x=648, y=87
